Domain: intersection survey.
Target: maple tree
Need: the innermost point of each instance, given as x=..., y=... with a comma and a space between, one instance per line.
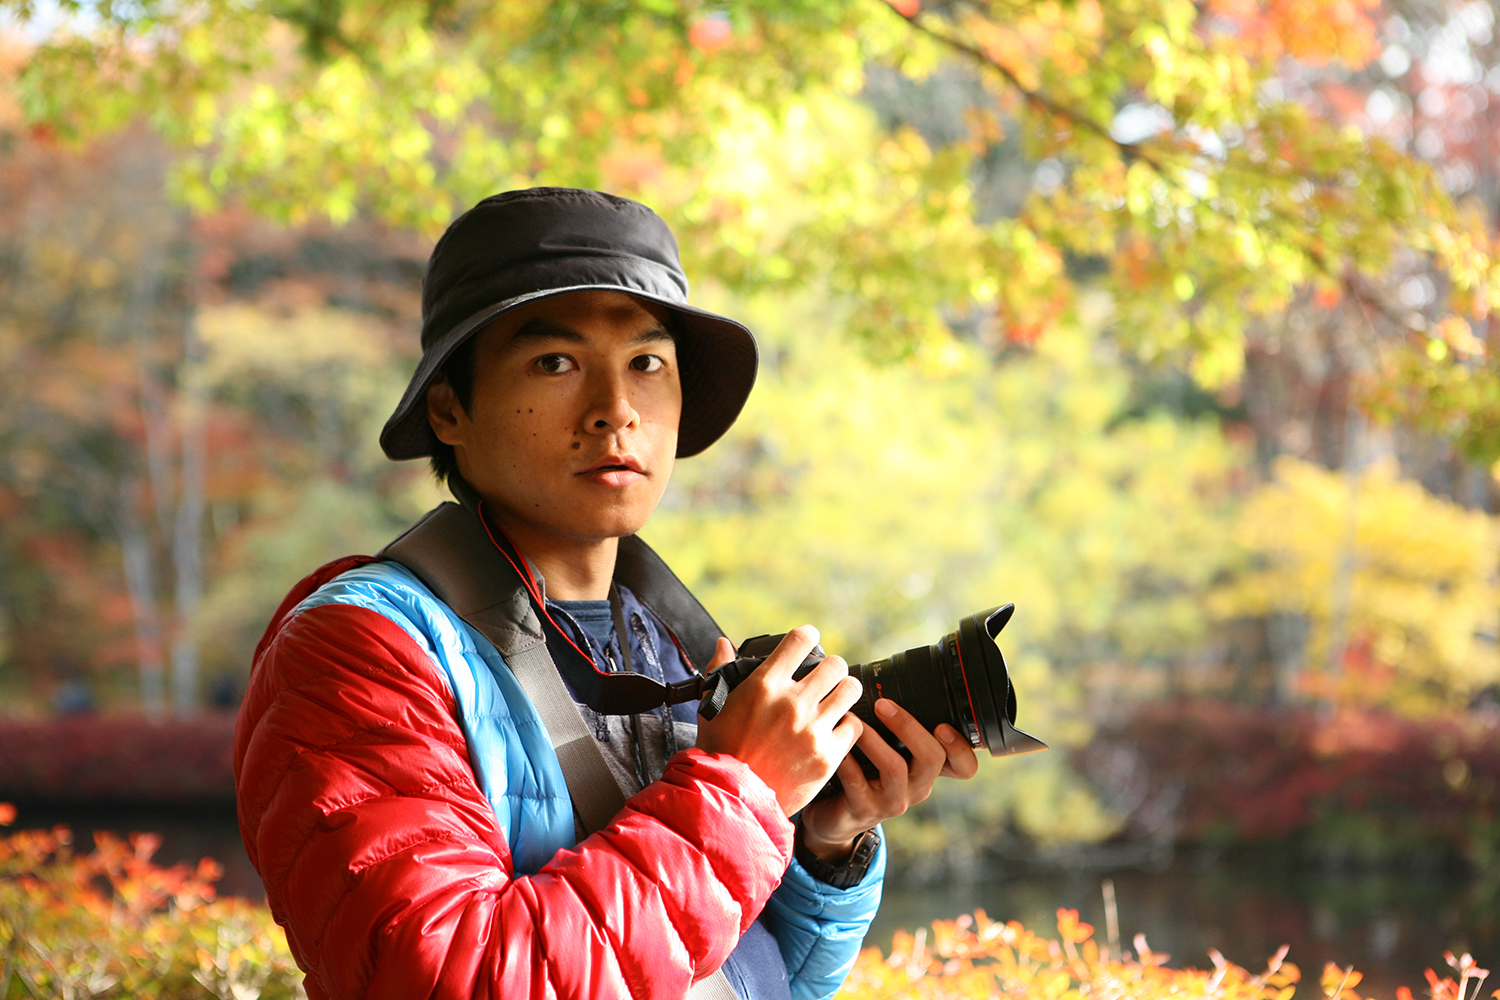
x=1163, y=155
x=1325, y=378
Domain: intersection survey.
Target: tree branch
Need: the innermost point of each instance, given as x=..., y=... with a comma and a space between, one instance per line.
x=1128, y=150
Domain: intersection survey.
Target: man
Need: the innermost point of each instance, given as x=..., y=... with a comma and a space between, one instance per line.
x=399, y=791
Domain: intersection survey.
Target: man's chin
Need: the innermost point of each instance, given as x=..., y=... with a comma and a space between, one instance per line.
x=622, y=527
x=605, y=528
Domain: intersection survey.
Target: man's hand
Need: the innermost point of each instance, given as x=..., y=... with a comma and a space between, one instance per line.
x=791, y=733
x=829, y=826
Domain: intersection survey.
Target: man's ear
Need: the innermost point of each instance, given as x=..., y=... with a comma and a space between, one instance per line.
x=445, y=413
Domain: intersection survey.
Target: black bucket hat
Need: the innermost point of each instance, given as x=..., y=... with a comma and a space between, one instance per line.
x=515, y=248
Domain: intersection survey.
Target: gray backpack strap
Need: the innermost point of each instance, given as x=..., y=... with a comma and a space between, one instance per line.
x=449, y=551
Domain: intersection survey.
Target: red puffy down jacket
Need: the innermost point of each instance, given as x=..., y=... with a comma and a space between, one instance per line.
x=384, y=863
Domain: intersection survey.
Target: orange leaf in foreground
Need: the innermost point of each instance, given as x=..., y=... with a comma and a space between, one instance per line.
x=1315, y=31
x=1071, y=928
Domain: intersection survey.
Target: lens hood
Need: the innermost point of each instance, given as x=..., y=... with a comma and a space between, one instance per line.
x=986, y=679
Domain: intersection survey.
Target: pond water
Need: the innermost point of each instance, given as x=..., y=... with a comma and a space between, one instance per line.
x=1391, y=926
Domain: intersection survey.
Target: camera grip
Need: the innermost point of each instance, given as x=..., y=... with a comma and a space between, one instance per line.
x=717, y=685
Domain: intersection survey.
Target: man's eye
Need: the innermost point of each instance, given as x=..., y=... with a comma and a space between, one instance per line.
x=555, y=364
x=647, y=363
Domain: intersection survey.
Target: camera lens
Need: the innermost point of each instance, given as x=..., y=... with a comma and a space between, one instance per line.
x=961, y=679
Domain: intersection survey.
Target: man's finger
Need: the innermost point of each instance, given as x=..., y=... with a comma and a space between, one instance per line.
x=723, y=653
x=842, y=688
x=928, y=754
x=790, y=652
x=856, y=786
x=849, y=729
x=886, y=758
x=962, y=762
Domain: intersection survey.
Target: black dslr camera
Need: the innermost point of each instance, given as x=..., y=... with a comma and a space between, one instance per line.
x=961, y=679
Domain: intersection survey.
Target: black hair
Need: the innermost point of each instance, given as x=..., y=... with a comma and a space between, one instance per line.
x=458, y=372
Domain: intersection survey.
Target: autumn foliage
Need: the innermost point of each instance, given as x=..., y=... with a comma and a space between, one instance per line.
x=1232, y=189
x=974, y=956
x=111, y=924
x=1299, y=776
x=1316, y=31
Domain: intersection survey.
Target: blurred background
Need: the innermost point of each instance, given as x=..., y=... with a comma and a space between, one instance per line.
x=1169, y=322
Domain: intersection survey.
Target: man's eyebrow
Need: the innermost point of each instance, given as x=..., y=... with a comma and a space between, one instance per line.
x=542, y=328
x=654, y=335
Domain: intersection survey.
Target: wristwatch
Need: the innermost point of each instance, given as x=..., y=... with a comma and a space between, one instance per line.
x=842, y=876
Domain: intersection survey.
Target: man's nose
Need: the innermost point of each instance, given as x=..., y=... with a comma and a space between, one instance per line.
x=610, y=406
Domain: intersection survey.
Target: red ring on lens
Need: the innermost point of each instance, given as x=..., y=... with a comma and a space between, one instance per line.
x=975, y=734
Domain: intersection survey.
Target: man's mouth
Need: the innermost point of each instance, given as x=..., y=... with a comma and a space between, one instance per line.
x=616, y=463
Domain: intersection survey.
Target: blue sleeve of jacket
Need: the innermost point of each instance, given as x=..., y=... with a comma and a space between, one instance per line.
x=821, y=928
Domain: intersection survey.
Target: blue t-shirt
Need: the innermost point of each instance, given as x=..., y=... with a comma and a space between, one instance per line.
x=755, y=968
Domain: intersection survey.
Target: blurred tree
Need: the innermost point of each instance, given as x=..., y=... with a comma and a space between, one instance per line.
x=1397, y=586
x=1179, y=158
x=1324, y=377
x=885, y=501
x=104, y=445
x=320, y=381
x=154, y=428
x=975, y=482
x=1386, y=343
x=1432, y=92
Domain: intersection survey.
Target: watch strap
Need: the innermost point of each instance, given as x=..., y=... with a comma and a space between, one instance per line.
x=848, y=874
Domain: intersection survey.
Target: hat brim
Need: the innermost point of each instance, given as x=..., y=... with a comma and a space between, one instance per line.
x=716, y=358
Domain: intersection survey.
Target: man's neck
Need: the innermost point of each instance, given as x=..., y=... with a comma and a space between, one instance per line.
x=576, y=574
x=574, y=570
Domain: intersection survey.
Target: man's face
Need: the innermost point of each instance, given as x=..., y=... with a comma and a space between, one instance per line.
x=573, y=428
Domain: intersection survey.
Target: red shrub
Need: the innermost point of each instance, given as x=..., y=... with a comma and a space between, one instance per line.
x=118, y=758
x=1228, y=772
